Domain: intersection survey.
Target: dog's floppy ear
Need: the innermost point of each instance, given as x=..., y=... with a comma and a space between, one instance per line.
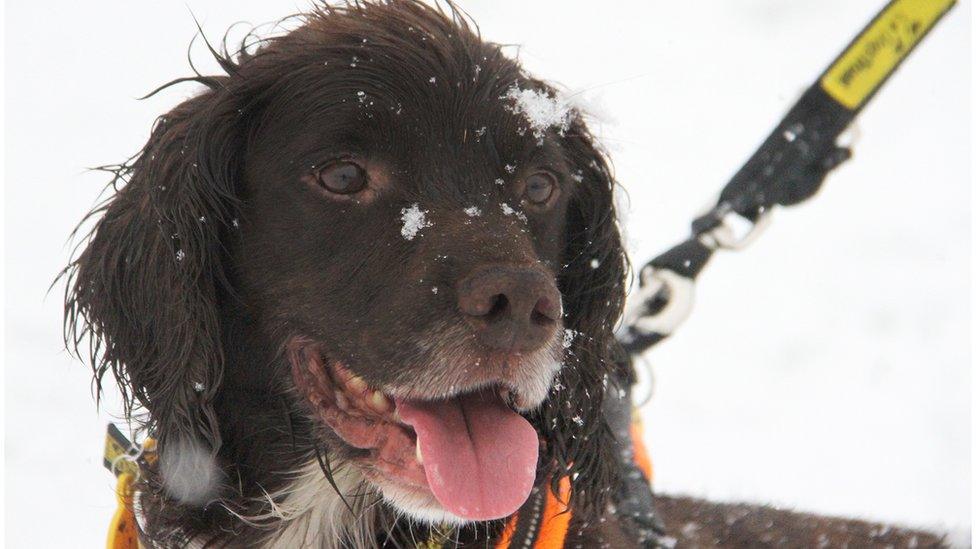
x=595, y=263
x=592, y=283
x=143, y=292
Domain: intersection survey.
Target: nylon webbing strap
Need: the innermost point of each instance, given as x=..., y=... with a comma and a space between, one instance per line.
x=789, y=167
x=543, y=522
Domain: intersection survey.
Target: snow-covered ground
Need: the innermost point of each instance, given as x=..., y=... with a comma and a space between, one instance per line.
x=824, y=369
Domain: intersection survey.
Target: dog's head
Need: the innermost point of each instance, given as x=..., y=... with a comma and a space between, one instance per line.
x=378, y=240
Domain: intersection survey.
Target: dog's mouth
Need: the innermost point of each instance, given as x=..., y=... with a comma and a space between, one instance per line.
x=470, y=450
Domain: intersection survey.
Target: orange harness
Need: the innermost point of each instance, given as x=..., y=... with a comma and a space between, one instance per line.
x=545, y=526
x=548, y=525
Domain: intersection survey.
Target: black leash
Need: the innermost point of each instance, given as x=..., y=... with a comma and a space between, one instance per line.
x=788, y=168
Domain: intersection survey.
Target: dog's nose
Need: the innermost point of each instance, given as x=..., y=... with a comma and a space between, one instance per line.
x=512, y=308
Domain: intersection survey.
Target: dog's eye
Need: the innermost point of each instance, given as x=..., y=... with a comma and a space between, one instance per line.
x=539, y=187
x=342, y=177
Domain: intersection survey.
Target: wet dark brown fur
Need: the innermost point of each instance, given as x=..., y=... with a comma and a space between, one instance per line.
x=697, y=523
x=210, y=255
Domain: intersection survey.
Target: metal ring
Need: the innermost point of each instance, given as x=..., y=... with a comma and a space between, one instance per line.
x=678, y=293
x=132, y=454
x=641, y=364
x=729, y=235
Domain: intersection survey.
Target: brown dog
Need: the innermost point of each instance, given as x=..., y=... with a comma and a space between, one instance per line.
x=364, y=285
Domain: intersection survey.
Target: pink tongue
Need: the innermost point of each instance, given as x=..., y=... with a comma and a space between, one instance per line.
x=479, y=456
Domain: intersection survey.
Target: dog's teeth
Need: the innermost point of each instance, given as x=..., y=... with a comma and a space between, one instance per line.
x=420, y=458
x=341, y=401
x=356, y=384
x=379, y=402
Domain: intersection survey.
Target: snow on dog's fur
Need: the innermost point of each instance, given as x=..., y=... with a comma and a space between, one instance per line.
x=313, y=237
x=294, y=250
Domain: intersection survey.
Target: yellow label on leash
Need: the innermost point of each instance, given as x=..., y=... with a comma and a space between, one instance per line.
x=866, y=63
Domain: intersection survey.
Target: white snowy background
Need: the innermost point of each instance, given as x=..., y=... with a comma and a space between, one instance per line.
x=824, y=369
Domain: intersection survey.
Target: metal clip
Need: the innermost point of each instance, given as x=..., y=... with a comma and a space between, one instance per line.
x=660, y=286
x=736, y=231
